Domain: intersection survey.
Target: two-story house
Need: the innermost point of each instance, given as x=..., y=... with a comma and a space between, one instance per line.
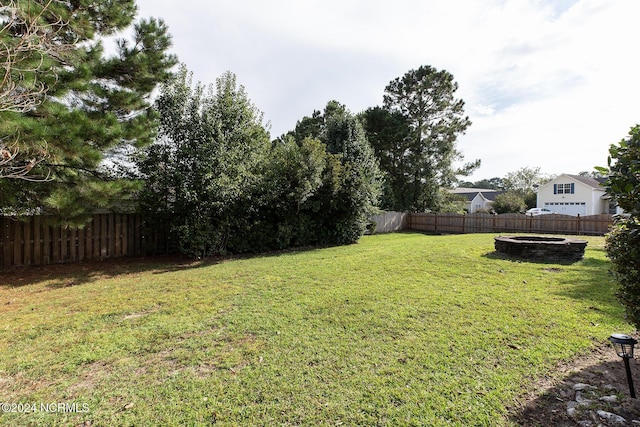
x=574, y=195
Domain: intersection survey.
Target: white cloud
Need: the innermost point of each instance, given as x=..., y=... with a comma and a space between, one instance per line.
x=546, y=83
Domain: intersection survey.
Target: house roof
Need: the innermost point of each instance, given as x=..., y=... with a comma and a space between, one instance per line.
x=591, y=182
x=469, y=196
x=460, y=190
x=492, y=195
x=472, y=193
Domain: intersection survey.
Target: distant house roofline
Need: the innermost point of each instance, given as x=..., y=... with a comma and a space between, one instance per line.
x=460, y=190
x=487, y=194
x=588, y=181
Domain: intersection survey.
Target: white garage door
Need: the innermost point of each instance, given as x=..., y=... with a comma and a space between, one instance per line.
x=568, y=208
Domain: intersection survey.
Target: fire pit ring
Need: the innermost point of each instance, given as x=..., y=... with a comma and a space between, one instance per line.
x=541, y=248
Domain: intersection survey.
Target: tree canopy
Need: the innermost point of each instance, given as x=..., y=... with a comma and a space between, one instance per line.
x=495, y=183
x=96, y=106
x=204, y=166
x=214, y=183
x=414, y=135
x=525, y=180
x=338, y=211
x=524, y=183
x=27, y=39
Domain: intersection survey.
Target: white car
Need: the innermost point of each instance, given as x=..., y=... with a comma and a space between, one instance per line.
x=539, y=211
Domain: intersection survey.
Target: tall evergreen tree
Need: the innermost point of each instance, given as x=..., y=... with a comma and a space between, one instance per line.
x=424, y=149
x=352, y=178
x=97, y=106
x=214, y=182
x=359, y=179
x=388, y=132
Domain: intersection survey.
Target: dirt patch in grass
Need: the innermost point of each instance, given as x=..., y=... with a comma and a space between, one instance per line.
x=11, y=387
x=138, y=314
x=601, y=375
x=90, y=378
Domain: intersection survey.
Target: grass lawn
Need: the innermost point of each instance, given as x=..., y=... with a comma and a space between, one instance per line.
x=399, y=329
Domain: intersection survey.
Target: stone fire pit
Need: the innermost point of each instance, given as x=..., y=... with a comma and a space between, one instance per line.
x=541, y=248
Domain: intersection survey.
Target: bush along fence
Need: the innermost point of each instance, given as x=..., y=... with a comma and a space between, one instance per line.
x=33, y=241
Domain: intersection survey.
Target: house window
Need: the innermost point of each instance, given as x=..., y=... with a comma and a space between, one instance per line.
x=563, y=188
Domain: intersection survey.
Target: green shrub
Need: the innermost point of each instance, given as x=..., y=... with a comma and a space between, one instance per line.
x=623, y=242
x=509, y=202
x=623, y=248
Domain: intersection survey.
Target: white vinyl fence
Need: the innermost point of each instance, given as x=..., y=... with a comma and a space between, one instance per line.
x=388, y=222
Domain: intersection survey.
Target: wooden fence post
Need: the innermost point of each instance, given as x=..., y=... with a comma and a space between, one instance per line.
x=17, y=243
x=579, y=226
x=37, y=241
x=7, y=250
x=28, y=247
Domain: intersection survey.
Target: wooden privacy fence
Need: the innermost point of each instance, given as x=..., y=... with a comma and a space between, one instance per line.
x=35, y=242
x=510, y=223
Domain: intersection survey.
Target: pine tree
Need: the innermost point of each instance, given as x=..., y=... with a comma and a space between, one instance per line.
x=96, y=109
x=414, y=135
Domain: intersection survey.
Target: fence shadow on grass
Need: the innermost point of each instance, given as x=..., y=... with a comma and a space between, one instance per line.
x=73, y=274
x=603, y=373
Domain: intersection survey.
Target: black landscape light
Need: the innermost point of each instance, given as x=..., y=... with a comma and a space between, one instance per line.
x=623, y=345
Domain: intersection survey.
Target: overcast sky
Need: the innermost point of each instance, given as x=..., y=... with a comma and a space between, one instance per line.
x=547, y=84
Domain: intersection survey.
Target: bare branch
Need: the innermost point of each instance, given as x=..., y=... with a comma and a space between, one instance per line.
x=26, y=41
x=33, y=39
x=13, y=167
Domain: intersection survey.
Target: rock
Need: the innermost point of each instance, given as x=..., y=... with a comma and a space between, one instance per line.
x=609, y=399
x=580, y=386
x=611, y=418
x=582, y=401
